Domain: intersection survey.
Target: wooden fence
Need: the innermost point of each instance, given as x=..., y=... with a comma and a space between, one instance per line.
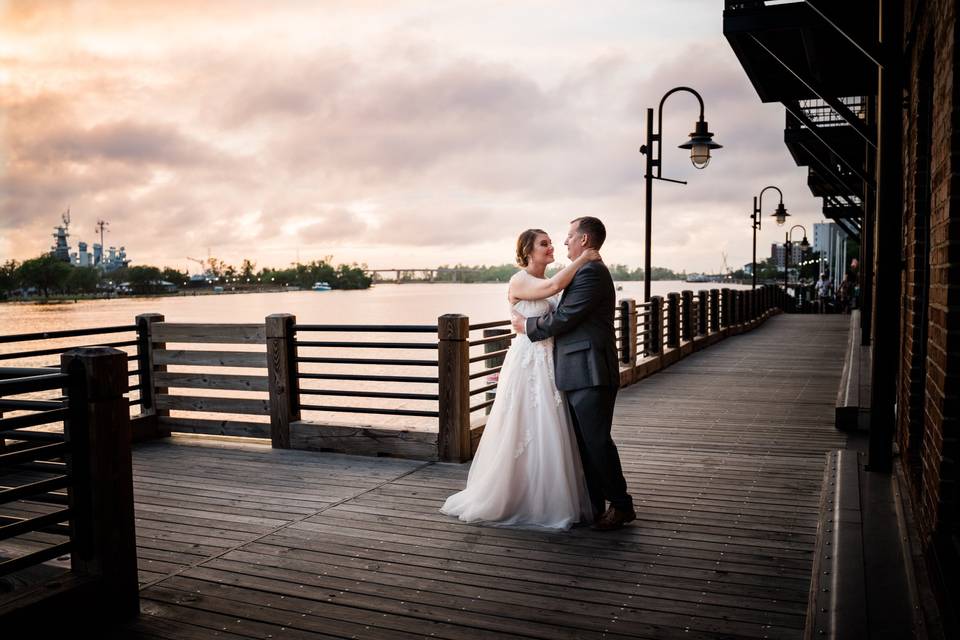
x=67, y=491
x=297, y=377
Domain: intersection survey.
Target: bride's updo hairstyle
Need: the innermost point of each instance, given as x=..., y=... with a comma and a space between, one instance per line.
x=525, y=245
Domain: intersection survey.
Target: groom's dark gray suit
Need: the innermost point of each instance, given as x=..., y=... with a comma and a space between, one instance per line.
x=587, y=369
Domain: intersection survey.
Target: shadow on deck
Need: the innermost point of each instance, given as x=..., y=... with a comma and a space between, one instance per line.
x=725, y=454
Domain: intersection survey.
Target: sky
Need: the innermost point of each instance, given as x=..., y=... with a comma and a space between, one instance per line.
x=395, y=133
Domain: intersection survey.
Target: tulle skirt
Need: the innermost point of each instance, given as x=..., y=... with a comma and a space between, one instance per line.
x=527, y=470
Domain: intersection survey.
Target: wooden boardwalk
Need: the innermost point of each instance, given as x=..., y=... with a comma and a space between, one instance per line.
x=724, y=453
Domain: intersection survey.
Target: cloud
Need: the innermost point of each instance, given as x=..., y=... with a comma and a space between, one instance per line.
x=371, y=130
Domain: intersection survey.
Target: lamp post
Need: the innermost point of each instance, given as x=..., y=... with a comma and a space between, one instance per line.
x=700, y=144
x=781, y=216
x=804, y=245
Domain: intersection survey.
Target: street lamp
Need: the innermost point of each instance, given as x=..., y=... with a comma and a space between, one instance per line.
x=700, y=144
x=804, y=245
x=781, y=215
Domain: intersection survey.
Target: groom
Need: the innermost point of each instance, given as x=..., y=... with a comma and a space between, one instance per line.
x=587, y=369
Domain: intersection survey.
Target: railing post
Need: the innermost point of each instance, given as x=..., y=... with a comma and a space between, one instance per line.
x=702, y=309
x=714, y=310
x=453, y=332
x=725, y=308
x=687, y=309
x=147, y=378
x=495, y=361
x=655, y=334
x=673, y=320
x=282, y=373
x=628, y=331
x=100, y=464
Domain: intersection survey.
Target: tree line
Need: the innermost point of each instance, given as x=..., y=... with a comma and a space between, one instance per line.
x=48, y=276
x=503, y=272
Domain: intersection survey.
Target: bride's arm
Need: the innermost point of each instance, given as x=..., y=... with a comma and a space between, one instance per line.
x=536, y=289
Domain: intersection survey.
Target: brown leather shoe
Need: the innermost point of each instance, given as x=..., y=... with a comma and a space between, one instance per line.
x=613, y=519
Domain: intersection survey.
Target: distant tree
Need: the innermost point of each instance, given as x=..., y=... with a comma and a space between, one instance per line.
x=144, y=279
x=175, y=276
x=45, y=273
x=247, y=270
x=622, y=272
x=83, y=280
x=351, y=277
x=215, y=267
x=9, y=276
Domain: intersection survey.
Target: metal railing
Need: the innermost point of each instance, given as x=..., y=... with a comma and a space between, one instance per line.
x=134, y=341
x=66, y=473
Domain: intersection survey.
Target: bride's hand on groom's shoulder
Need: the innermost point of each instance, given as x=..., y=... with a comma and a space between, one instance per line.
x=592, y=255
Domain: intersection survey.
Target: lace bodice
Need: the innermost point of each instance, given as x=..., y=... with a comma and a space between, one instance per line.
x=532, y=308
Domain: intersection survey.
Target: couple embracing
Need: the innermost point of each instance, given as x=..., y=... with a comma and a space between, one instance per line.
x=546, y=458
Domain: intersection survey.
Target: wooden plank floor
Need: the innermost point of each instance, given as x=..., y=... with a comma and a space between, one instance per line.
x=724, y=453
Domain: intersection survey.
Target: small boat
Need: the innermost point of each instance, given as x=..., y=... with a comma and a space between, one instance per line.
x=321, y=286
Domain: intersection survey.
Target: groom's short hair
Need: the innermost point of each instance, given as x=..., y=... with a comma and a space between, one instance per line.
x=593, y=229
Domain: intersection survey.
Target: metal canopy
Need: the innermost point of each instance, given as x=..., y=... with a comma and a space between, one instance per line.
x=819, y=58
x=806, y=39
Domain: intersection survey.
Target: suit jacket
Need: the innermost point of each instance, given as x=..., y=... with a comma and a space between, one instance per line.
x=585, y=347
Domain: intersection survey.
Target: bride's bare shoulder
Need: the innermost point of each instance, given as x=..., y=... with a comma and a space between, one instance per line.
x=515, y=281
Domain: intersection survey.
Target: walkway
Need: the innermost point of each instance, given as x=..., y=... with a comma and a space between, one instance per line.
x=725, y=454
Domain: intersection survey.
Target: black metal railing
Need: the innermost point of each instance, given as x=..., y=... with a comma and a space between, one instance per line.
x=333, y=354
x=133, y=356
x=66, y=473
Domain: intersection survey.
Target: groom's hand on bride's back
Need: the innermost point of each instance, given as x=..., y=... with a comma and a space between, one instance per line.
x=518, y=322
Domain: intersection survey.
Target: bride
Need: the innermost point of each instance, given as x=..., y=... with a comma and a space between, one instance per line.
x=527, y=469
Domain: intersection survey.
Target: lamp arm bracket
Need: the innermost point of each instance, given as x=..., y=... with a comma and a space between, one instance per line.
x=669, y=180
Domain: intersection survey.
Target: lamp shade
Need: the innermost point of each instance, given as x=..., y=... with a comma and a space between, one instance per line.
x=780, y=214
x=700, y=144
x=804, y=244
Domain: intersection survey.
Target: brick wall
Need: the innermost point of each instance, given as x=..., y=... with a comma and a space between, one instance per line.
x=929, y=384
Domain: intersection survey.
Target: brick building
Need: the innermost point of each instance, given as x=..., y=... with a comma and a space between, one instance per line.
x=871, y=99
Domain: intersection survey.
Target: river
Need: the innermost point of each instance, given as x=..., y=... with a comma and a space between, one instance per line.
x=382, y=304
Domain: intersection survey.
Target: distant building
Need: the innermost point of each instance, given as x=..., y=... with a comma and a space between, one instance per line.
x=777, y=252
x=61, y=249
x=112, y=260
x=831, y=241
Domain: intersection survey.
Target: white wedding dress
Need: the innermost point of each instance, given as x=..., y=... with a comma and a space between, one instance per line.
x=527, y=470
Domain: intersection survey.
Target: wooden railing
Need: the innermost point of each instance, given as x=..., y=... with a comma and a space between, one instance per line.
x=67, y=490
x=289, y=382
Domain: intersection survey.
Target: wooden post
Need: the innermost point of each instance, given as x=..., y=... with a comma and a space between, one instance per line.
x=628, y=331
x=714, y=310
x=496, y=361
x=655, y=335
x=100, y=463
x=673, y=320
x=453, y=332
x=282, y=373
x=148, y=389
x=725, y=308
x=686, y=305
x=702, y=308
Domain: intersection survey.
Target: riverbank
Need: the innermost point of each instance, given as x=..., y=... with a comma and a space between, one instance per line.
x=184, y=293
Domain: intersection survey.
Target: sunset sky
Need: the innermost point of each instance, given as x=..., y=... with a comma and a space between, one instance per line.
x=397, y=133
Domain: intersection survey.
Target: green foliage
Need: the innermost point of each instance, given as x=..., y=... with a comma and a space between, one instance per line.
x=144, y=279
x=9, y=277
x=465, y=273
x=45, y=273
x=83, y=280
x=306, y=275
x=351, y=277
x=247, y=270
x=175, y=276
